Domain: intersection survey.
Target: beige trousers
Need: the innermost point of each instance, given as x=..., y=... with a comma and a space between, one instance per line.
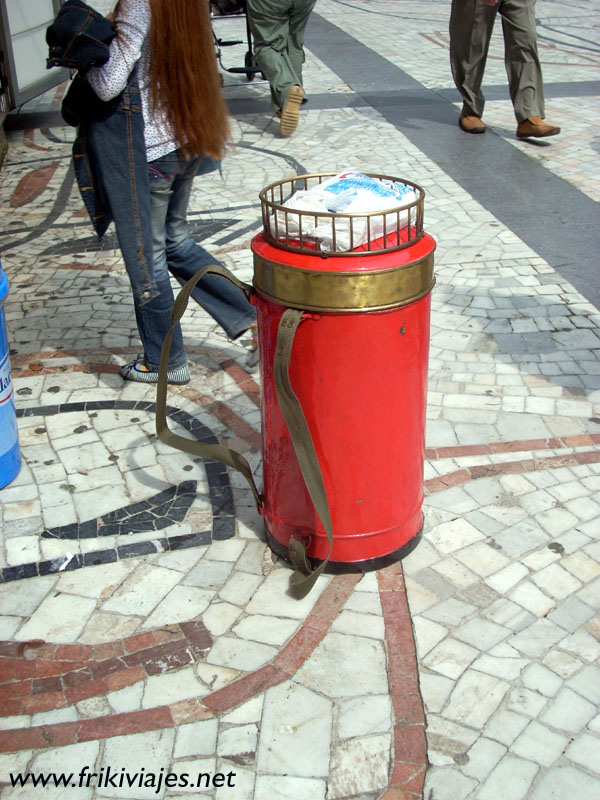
x=471, y=24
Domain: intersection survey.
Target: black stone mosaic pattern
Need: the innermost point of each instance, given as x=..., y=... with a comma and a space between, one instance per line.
x=159, y=511
x=151, y=515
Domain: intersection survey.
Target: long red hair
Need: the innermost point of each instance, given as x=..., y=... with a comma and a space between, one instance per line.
x=186, y=83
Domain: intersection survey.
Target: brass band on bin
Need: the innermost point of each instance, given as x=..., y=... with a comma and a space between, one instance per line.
x=343, y=292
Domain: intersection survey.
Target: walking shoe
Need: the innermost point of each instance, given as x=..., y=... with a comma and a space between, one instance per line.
x=471, y=124
x=290, y=111
x=251, y=363
x=138, y=371
x=535, y=127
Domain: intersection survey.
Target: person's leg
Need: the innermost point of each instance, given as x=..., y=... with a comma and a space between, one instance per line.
x=154, y=317
x=521, y=58
x=300, y=13
x=523, y=68
x=184, y=258
x=471, y=25
x=269, y=25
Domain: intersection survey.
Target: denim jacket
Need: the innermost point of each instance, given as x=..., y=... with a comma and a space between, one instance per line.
x=79, y=37
x=109, y=157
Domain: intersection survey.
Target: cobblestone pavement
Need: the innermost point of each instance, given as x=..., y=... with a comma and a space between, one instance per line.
x=146, y=625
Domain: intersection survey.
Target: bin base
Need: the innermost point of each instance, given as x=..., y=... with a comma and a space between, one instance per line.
x=347, y=567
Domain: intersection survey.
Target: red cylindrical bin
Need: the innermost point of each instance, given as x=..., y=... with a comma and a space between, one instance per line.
x=359, y=370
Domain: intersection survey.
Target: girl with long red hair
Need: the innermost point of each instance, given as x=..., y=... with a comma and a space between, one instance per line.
x=170, y=44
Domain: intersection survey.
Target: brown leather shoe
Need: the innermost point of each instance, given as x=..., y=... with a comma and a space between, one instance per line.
x=535, y=127
x=471, y=123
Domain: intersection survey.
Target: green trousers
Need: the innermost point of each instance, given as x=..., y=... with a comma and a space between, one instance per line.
x=471, y=24
x=277, y=28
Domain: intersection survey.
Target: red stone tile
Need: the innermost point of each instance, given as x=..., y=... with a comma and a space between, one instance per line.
x=8, y=670
x=493, y=470
x=317, y=624
x=334, y=596
x=416, y=784
x=173, y=656
x=32, y=184
x=108, y=650
x=298, y=649
x=124, y=678
x=400, y=638
x=246, y=383
x=396, y=613
x=18, y=668
x=403, y=684
x=150, y=719
x=456, y=478
x=43, y=702
x=15, y=689
x=578, y=441
x=409, y=743
x=189, y=711
x=433, y=485
x=591, y=457
x=393, y=600
x=245, y=688
x=390, y=581
x=402, y=664
x=515, y=447
x=408, y=709
x=553, y=462
x=73, y=652
x=405, y=771
x=10, y=649
x=197, y=635
x=109, y=369
x=155, y=653
x=77, y=678
x=39, y=737
x=28, y=141
x=43, y=685
x=449, y=452
x=10, y=708
x=86, y=690
x=47, y=668
x=399, y=794
x=140, y=641
x=107, y=667
x=233, y=421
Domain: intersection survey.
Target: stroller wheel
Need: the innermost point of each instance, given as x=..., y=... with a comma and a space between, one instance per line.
x=249, y=63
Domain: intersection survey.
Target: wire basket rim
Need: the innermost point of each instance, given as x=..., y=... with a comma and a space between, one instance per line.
x=273, y=205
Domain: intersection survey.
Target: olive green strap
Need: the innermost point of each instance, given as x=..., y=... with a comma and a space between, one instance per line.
x=304, y=577
x=216, y=452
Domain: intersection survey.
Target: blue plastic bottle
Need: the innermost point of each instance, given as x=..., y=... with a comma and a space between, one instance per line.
x=10, y=456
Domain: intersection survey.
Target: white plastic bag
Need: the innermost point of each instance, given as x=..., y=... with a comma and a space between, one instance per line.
x=348, y=192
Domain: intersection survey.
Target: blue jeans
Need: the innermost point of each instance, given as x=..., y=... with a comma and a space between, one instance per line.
x=175, y=252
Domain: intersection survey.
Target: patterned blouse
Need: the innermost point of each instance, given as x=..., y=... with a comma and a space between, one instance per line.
x=131, y=46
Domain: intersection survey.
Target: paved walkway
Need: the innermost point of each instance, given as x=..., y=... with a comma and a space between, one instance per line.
x=146, y=626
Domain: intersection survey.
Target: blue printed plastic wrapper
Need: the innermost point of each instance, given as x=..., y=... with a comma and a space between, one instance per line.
x=348, y=192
